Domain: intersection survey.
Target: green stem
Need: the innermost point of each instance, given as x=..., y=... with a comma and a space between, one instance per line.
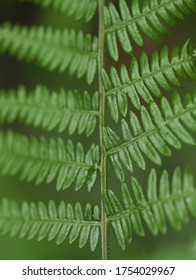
x=104, y=221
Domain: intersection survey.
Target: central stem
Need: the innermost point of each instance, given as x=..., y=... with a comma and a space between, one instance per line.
x=104, y=221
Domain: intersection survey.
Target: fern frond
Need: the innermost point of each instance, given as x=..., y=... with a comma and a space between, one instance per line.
x=151, y=135
x=41, y=221
x=48, y=159
x=52, y=49
x=173, y=202
x=147, y=78
x=142, y=18
x=79, y=9
x=41, y=108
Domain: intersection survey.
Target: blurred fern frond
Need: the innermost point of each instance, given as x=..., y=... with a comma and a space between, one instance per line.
x=52, y=49
x=41, y=108
x=79, y=9
x=45, y=160
x=41, y=221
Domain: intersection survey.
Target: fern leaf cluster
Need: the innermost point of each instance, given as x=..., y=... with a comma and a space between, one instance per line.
x=52, y=49
x=41, y=221
x=161, y=127
x=69, y=111
x=145, y=17
x=82, y=9
x=149, y=116
x=147, y=79
x=167, y=200
x=45, y=160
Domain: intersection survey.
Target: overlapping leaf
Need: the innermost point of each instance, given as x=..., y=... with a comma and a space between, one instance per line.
x=141, y=18
x=41, y=221
x=41, y=108
x=44, y=160
x=78, y=8
x=152, y=133
x=147, y=79
x=52, y=49
x=170, y=201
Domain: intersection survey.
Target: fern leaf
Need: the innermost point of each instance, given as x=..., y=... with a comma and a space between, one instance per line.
x=173, y=202
x=151, y=135
x=52, y=49
x=142, y=18
x=41, y=108
x=148, y=78
x=41, y=221
x=79, y=9
x=48, y=160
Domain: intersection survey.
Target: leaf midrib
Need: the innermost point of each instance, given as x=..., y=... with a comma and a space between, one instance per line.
x=47, y=108
x=120, y=88
x=138, y=209
x=63, y=221
x=125, y=23
x=49, y=161
x=47, y=44
x=150, y=132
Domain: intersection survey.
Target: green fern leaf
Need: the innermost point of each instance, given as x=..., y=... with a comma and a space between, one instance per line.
x=48, y=160
x=151, y=135
x=148, y=78
x=41, y=108
x=174, y=202
x=143, y=17
x=52, y=49
x=156, y=120
x=39, y=221
x=79, y=9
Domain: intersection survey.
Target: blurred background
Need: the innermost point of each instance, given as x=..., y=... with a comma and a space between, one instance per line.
x=13, y=73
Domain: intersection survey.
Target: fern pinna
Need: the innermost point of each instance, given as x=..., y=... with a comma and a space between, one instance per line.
x=143, y=99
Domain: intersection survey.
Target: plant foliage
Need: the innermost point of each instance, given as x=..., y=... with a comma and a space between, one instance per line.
x=139, y=112
x=152, y=133
x=46, y=160
x=148, y=79
x=40, y=221
x=70, y=111
x=145, y=17
x=52, y=49
x=167, y=200
x=83, y=9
